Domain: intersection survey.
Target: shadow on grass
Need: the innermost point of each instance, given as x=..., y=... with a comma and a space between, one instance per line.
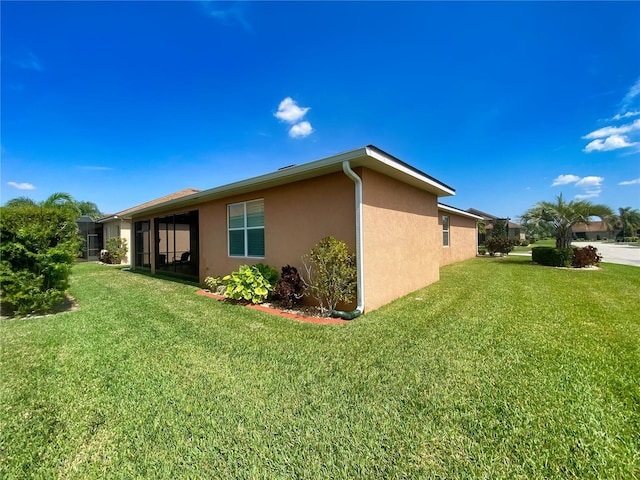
x=510, y=260
x=163, y=276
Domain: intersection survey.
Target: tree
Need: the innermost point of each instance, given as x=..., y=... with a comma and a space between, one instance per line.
x=58, y=200
x=628, y=221
x=89, y=209
x=564, y=215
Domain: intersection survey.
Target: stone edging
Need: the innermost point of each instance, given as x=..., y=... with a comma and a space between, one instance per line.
x=280, y=313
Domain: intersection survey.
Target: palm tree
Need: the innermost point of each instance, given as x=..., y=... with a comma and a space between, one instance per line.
x=564, y=215
x=89, y=209
x=20, y=202
x=628, y=221
x=58, y=200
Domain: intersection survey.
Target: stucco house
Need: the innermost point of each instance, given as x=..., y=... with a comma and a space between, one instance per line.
x=384, y=209
x=119, y=224
x=516, y=231
x=593, y=231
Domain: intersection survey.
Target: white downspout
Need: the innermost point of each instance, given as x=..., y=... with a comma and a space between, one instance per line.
x=346, y=167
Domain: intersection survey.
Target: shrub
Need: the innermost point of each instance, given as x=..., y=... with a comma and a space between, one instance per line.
x=38, y=246
x=290, y=288
x=482, y=251
x=117, y=250
x=330, y=273
x=247, y=284
x=585, y=257
x=552, y=257
x=269, y=273
x=215, y=285
x=498, y=245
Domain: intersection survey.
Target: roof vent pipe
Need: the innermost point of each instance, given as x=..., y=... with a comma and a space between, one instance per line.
x=346, y=167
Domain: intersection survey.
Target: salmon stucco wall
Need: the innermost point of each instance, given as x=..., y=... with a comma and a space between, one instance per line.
x=296, y=216
x=401, y=238
x=463, y=238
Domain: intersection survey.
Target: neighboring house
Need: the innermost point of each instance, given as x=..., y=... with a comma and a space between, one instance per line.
x=384, y=209
x=118, y=225
x=593, y=231
x=516, y=231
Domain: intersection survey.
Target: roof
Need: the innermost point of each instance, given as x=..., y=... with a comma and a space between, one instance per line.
x=511, y=225
x=484, y=215
x=370, y=157
x=129, y=211
x=489, y=217
x=592, y=227
x=457, y=211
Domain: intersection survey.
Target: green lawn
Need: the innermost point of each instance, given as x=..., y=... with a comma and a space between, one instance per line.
x=546, y=242
x=500, y=370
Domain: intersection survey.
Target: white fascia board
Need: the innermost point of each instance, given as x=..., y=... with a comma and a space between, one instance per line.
x=457, y=211
x=441, y=189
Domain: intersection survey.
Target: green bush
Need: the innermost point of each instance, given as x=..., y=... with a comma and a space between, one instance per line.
x=498, y=245
x=247, y=284
x=215, y=285
x=270, y=274
x=117, y=250
x=331, y=273
x=482, y=251
x=552, y=256
x=38, y=246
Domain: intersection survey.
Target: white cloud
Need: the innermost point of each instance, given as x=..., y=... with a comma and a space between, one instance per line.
x=584, y=196
x=625, y=115
x=21, y=186
x=226, y=12
x=564, y=179
x=289, y=111
x=613, y=142
x=591, y=185
x=301, y=130
x=591, y=181
x=609, y=131
x=635, y=181
x=633, y=92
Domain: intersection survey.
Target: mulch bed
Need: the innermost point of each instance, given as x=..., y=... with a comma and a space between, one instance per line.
x=273, y=310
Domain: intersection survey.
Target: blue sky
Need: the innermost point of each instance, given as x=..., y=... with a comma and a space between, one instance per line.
x=509, y=103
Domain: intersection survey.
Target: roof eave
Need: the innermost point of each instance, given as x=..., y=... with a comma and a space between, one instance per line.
x=369, y=157
x=457, y=211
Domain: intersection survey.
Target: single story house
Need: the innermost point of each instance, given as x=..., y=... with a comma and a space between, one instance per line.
x=385, y=210
x=593, y=231
x=119, y=225
x=515, y=230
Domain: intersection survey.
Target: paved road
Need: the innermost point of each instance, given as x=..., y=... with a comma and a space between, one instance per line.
x=615, y=252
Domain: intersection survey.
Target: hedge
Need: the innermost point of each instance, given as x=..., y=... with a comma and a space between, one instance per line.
x=552, y=257
x=38, y=246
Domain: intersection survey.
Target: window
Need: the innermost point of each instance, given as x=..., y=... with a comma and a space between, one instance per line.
x=445, y=230
x=246, y=229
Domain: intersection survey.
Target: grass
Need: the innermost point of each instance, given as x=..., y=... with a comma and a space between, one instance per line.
x=500, y=370
x=545, y=242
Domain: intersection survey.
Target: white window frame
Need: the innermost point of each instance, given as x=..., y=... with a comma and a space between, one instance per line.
x=244, y=228
x=446, y=231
